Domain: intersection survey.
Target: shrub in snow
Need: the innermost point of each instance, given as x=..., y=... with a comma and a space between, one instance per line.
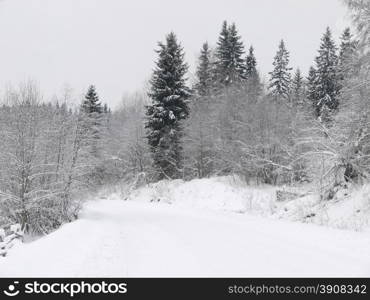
x=2, y=234
x=10, y=237
x=282, y=195
x=16, y=228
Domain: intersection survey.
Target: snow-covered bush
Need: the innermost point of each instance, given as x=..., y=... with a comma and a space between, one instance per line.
x=9, y=237
x=45, y=159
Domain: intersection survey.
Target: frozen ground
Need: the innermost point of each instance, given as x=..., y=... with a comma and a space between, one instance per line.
x=141, y=238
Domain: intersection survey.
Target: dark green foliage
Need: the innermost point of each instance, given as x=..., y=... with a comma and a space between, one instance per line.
x=91, y=120
x=169, y=95
x=251, y=64
x=311, y=88
x=253, y=81
x=229, y=54
x=347, y=56
x=298, y=94
x=327, y=87
x=280, y=79
x=91, y=104
x=204, y=72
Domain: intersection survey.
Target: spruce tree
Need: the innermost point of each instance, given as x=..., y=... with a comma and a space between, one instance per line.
x=107, y=115
x=327, y=87
x=204, y=72
x=280, y=77
x=91, y=117
x=91, y=103
x=237, y=63
x=297, y=88
x=251, y=64
x=348, y=46
x=169, y=94
x=254, y=86
x=229, y=55
x=105, y=108
x=222, y=54
x=347, y=55
x=311, y=88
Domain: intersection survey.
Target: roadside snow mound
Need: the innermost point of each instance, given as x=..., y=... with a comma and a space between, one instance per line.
x=350, y=209
x=218, y=193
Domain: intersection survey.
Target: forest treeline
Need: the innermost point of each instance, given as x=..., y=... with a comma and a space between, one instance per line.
x=294, y=128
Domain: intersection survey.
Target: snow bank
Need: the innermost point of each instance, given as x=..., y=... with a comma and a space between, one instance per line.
x=350, y=209
x=218, y=193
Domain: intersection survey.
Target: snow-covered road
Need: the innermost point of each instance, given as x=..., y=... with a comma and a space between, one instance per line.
x=135, y=239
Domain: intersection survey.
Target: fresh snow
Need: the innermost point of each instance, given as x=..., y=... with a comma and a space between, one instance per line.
x=350, y=208
x=183, y=236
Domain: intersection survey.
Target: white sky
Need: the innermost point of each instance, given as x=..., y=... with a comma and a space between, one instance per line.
x=110, y=43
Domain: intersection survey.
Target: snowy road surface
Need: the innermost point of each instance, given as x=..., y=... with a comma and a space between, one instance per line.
x=118, y=238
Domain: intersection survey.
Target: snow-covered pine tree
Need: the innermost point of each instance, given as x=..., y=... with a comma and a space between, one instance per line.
x=348, y=46
x=91, y=103
x=251, y=64
x=347, y=55
x=204, y=74
x=107, y=114
x=169, y=94
x=237, y=63
x=91, y=113
x=229, y=54
x=311, y=89
x=254, y=86
x=106, y=109
x=327, y=87
x=297, y=96
x=222, y=54
x=198, y=139
x=280, y=77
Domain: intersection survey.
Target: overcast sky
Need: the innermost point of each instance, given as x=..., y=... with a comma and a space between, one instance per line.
x=110, y=43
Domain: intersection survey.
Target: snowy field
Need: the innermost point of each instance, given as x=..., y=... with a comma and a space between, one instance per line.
x=180, y=236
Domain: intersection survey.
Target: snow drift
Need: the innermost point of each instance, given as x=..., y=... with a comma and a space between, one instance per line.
x=349, y=209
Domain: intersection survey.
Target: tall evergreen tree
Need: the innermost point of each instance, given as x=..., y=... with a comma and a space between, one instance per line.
x=297, y=88
x=204, y=72
x=105, y=108
x=252, y=77
x=107, y=112
x=91, y=103
x=91, y=117
x=327, y=87
x=280, y=77
x=348, y=45
x=222, y=53
x=169, y=94
x=311, y=88
x=229, y=54
x=237, y=63
x=347, y=55
x=251, y=64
